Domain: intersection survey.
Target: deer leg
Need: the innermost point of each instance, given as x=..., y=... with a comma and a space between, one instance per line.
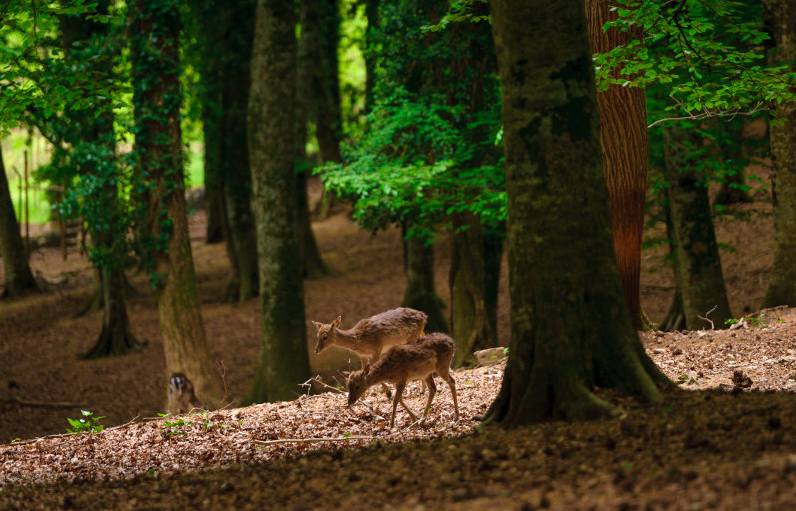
x=384, y=387
x=452, y=384
x=399, y=390
x=432, y=389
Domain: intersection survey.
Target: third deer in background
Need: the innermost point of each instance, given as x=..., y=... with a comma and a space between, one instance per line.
x=181, y=394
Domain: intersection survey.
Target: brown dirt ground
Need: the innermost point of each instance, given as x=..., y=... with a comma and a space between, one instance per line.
x=709, y=449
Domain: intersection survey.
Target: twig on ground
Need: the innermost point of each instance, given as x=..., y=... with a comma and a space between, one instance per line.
x=40, y=404
x=706, y=316
x=300, y=440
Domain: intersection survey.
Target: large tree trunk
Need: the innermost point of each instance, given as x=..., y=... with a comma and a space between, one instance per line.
x=284, y=361
x=154, y=52
x=570, y=329
x=19, y=278
x=699, y=273
x=238, y=21
x=623, y=127
x=312, y=263
x=470, y=323
x=420, y=293
x=782, y=286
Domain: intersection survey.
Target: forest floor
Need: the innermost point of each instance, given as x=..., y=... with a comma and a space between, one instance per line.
x=727, y=440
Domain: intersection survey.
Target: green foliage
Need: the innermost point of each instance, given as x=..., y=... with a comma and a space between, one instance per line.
x=428, y=150
x=202, y=423
x=88, y=424
x=709, y=54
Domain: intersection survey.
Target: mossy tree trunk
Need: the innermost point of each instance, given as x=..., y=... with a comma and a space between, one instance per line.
x=19, y=278
x=238, y=21
x=781, y=290
x=284, y=361
x=420, y=291
x=470, y=322
x=158, y=144
x=570, y=328
x=699, y=275
x=312, y=263
x=623, y=128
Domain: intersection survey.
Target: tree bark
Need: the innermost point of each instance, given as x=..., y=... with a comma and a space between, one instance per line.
x=320, y=37
x=623, y=128
x=699, y=273
x=238, y=22
x=154, y=52
x=781, y=290
x=312, y=263
x=420, y=293
x=105, y=223
x=570, y=328
x=284, y=361
x=19, y=278
x=470, y=323
x=369, y=53
x=210, y=63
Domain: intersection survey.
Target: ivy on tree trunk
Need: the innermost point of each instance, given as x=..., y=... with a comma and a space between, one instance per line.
x=166, y=241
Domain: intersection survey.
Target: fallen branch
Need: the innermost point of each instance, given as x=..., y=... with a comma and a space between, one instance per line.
x=41, y=404
x=706, y=316
x=317, y=379
x=300, y=440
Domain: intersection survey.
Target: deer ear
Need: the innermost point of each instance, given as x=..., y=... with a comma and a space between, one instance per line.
x=366, y=369
x=347, y=374
x=336, y=322
x=317, y=325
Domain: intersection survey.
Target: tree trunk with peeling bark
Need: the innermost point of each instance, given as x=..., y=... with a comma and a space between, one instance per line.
x=571, y=330
x=623, y=127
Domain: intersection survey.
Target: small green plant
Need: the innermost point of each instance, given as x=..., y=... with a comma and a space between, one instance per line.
x=175, y=426
x=88, y=424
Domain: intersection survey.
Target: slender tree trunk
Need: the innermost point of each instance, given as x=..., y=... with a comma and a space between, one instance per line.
x=782, y=286
x=623, y=127
x=699, y=273
x=570, y=329
x=115, y=337
x=312, y=263
x=238, y=20
x=372, y=15
x=154, y=52
x=420, y=293
x=675, y=318
x=320, y=33
x=210, y=64
x=284, y=361
x=19, y=278
x=732, y=188
x=470, y=322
